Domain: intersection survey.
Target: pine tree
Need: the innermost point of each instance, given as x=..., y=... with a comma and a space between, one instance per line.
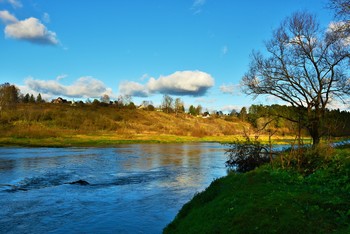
x=39, y=98
x=31, y=99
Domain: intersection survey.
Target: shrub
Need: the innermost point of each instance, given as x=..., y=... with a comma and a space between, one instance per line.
x=306, y=160
x=246, y=156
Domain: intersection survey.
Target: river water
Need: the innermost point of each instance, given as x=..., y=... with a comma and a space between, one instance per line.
x=137, y=188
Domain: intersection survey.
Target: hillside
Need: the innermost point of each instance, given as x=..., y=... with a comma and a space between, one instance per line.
x=51, y=122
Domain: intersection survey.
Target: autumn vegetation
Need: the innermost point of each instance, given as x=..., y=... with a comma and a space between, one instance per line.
x=29, y=120
x=303, y=189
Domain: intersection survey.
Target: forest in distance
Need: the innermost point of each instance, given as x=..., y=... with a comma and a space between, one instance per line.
x=26, y=116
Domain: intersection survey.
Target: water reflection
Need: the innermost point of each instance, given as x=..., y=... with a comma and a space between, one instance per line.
x=132, y=188
x=7, y=165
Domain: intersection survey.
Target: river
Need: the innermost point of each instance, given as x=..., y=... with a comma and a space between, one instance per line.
x=136, y=188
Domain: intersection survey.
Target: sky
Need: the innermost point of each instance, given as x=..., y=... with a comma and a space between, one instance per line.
x=196, y=50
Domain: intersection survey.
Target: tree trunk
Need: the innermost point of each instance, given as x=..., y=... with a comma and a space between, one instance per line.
x=314, y=130
x=315, y=138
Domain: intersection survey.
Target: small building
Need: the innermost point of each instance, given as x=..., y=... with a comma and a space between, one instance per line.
x=59, y=100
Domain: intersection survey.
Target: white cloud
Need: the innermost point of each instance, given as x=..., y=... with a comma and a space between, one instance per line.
x=61, y=77
x=25, y=89
x=144, y=77
x=340, y=29
x=31, y=30
x=229, y=108
x=84, y=87
x=15, y=3
x=180, y=83
x=193, y=83
x=7, y=17
x=338, y=104
x=133, y=89
x=229, y=89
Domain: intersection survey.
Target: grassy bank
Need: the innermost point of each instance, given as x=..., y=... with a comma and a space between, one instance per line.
x=65, y=125
x=269, y=200
x=110, y=139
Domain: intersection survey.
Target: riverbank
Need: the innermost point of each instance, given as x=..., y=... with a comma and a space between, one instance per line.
x=107, y=140
x=269, y=200
x=51, y=125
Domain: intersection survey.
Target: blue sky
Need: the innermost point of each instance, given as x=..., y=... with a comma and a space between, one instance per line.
x=197, y=50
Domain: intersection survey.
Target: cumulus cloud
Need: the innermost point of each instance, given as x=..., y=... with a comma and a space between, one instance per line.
x=133, y=89
x=25, y=89
x=180, y=83
x=7, y=17
x=30, y=29
x=84, y=87
x=192, y=83
x=13, y=3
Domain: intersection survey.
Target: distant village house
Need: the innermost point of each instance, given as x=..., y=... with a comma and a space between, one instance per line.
x=59, y=100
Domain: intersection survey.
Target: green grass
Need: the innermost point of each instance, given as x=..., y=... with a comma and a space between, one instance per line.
x=109, y=139
x=270, y=200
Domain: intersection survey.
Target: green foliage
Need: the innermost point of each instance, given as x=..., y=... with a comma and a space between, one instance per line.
x=26, y=98
x=31, y=99
x=243, y=114
x=306, y=160
x=151, y=108
x=195, y=110
x=39, y=99
x=272, y=200
x=286, y=119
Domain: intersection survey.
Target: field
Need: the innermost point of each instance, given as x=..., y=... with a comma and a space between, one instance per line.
x=87, y=125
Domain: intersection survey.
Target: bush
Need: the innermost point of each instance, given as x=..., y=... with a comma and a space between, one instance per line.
x=306, y=160
x=246, y=156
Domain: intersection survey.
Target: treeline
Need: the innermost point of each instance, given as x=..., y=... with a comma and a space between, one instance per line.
x=10, y=95
x=336, y=123
x=61, y=113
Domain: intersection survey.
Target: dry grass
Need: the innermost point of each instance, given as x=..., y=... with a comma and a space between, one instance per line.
x=111, y=125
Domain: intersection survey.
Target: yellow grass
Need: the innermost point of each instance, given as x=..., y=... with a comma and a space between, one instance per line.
x=62, y=125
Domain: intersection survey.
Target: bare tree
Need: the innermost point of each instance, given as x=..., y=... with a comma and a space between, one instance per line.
x=167, y=104
x=105, y=99
x=179, y=106
x=304, y=66
x=342, y=12
x=341, y=7
x=127, y=99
